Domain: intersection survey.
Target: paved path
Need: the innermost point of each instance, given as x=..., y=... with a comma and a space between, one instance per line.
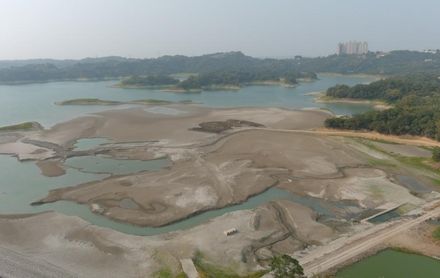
x=189, y=268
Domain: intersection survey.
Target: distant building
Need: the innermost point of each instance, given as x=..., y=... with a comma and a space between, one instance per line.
x=431, y=51
x=353, y=48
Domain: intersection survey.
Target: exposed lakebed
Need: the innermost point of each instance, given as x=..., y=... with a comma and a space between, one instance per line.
x=17, y=193
x=23, y=184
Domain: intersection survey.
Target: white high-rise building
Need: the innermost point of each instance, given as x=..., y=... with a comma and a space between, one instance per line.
x=353, y=48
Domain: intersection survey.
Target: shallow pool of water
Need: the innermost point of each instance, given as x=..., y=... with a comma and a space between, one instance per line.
x=393, y=264
x=85, y=144
x=272, y=194
x=390, y=215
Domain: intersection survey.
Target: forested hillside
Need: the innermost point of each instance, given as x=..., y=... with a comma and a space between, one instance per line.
x=390, y=89
x=393, y=63
x=416, y=110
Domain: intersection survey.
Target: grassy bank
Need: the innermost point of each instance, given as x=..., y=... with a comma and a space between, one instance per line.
x=20, y=127
x=436, y=233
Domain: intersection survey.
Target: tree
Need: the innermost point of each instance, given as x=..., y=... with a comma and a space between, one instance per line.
x=285, y=266
x=436, y=154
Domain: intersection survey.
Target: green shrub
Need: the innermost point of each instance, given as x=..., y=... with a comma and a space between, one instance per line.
x=436, y=154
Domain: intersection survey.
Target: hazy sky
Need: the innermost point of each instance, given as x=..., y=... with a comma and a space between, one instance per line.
x=150, y=28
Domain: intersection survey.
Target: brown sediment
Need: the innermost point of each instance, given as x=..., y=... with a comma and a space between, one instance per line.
x=209, y=171
x=51, y=168
x=228, y=172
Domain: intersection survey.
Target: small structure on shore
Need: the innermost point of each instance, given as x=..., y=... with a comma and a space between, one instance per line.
x=230, y=232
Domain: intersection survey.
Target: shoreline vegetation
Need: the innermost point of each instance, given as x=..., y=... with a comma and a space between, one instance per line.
x=414, y=101
x=374, y=63
x=377, y=104
x=26, y=126
x=96, y=101
x=217, y=81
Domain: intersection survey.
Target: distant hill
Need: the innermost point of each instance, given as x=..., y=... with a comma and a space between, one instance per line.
x=393, y=63
x=415, y=101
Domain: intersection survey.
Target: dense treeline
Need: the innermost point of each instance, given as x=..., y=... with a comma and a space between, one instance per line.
x=151, y=80
x=395, y=62
x=416, y=108
x=116, y=67
x=391, y=89
x=237, y=78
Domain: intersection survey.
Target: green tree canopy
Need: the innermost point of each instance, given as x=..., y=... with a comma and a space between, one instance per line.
x=285, y=266
x=436, y=154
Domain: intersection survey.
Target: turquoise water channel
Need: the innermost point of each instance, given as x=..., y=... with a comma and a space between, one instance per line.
x=17, y=191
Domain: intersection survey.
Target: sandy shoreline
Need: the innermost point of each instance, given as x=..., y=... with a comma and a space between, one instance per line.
x=376, y=104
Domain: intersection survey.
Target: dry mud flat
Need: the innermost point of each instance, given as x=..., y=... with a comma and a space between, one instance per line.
x=143, y=125
x=238, y=166
x=209, y=171
x=75, y=248
x=137, y=124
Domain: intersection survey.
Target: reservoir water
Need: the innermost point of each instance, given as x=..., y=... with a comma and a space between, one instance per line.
x=22, y=183
x=36, y=102
x=393, y=264
x=17, y=191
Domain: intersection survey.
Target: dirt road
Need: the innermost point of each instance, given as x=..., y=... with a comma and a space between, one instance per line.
x=408, y=140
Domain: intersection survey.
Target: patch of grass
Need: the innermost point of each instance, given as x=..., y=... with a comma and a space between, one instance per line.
x=164, y=273
x=18, y=127
x=369, y=143
x=406, y=207
x=167, y=273
x=381, y=162
x=436, y=233
x=384, y=141
x=376, y=192
x=436, y=181
x=375, y=161
x=88, y=101
x=207, y=270
x=422, y=163
x=416, y=162
x=151, y=101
